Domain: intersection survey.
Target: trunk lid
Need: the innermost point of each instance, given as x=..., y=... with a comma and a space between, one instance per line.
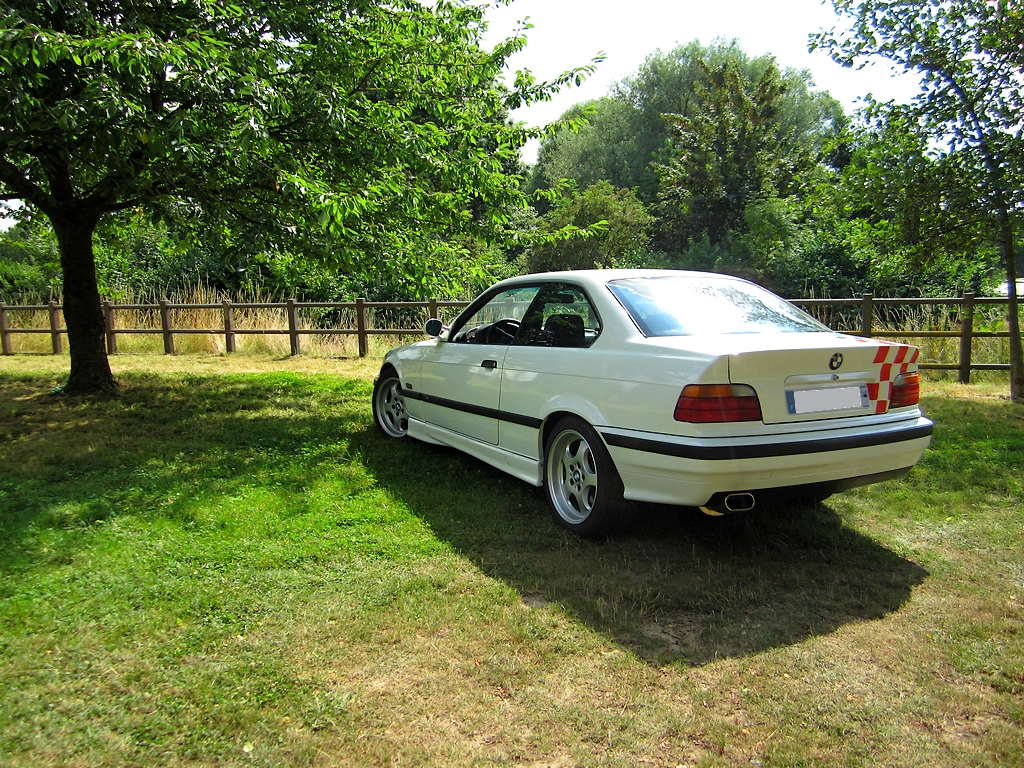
x=815, y=376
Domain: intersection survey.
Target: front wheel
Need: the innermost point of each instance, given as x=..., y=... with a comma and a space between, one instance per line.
x=584, y=489
x=389, y=406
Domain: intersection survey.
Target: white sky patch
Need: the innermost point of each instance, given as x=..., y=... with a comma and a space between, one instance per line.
x=6, y=220
x=569, y=33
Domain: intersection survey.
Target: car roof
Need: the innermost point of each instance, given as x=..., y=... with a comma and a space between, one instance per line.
x=599, y=277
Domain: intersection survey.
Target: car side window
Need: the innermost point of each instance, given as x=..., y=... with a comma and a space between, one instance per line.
x=561, y=316
x=497, y=321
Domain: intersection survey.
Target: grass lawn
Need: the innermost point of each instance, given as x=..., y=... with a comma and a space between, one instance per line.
x=229, y=566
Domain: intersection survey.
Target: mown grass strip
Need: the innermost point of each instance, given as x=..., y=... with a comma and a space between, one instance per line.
x=233, y=567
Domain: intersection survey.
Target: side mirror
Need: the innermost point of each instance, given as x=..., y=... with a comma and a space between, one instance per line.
x=434, y=328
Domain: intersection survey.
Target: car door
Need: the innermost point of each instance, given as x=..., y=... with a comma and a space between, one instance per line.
x=551, y=357
x=458, y=381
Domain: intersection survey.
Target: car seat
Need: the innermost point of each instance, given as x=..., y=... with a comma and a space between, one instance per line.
x=565, y=330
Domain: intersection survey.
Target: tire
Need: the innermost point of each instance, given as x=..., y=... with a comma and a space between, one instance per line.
x=583, y=488
x=389, y=406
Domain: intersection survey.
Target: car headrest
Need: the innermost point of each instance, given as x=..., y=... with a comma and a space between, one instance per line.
x=565, y=330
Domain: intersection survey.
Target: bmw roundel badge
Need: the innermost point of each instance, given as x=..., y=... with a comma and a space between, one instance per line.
x=836, y=361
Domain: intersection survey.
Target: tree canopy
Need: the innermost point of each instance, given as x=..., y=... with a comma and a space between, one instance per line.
x=621, y=241
x=970, y=56
x=358, y=145
x=733, y=151
x=746, y=168
x=347, y=128
x=629, y=133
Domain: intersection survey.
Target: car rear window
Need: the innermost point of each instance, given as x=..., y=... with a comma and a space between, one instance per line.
x=682, y=306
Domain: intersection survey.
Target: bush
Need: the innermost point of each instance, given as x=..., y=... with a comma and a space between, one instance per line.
x=623, y=241
x=29, y=265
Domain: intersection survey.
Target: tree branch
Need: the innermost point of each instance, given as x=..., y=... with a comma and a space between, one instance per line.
x=12, y=176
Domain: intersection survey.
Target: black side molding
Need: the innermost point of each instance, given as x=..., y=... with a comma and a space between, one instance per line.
x=478, y=410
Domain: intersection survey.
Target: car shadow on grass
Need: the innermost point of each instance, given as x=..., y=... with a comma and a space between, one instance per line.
x=678, y=586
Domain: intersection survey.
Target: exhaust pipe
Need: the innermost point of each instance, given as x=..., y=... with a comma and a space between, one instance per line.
x=728, y=503
x=739, y=502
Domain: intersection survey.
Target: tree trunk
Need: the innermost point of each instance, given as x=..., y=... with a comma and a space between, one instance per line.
x=1016, y=352
x=83, y=314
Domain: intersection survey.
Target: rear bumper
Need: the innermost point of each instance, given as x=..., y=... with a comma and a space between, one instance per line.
x=672, y=470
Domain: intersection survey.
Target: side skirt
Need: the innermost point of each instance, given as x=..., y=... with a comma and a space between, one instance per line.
x=526, y=469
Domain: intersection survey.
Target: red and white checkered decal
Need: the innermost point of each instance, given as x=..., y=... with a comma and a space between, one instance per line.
x=892, y=359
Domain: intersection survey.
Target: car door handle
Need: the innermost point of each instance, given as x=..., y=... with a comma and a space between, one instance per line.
x=489, y=364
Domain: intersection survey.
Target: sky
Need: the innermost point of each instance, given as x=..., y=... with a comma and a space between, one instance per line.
x=569, y=33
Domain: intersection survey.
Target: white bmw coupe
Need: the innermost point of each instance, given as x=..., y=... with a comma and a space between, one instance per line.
x=611, y=386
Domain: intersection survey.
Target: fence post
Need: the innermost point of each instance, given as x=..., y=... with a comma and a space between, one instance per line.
x=867, y=314
x=108, y=321
x=433, y=310
x=293, y=326
x=966, y=329
x=229, y=327
x=55, y=328
x=364, y=346
x=5, y=330
x=165, y=325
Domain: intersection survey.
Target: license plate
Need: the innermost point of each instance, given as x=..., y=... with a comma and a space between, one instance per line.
x=799, y=401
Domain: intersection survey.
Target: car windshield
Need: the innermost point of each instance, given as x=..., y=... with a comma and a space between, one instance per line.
x=684, y=305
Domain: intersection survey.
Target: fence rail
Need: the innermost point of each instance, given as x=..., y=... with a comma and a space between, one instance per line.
x=867, y=303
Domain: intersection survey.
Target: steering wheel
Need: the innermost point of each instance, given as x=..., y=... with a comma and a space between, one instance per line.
x=503, y=331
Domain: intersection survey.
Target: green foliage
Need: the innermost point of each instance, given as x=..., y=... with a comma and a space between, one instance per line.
x=757, y=174
x=896, y=176
x=799, y=253
x=347, y=131
x=620, y=240
x=628, y=133
x=603, y=148
x=29, y=264
x=969, y=56
x=139, y=260
x=827, y=263
x=732, y=152
x=727, y=144
x=367, y=122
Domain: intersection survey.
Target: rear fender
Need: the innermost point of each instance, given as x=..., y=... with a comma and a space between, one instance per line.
x=563, y=405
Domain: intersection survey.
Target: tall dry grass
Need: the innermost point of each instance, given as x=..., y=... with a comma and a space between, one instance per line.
x=244, y=319
x=903, y=318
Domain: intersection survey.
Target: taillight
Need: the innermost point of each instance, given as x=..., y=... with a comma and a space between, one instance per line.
x=906, y=390
x=712, y=403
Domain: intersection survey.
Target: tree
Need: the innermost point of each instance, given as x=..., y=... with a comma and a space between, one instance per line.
x=732, y=152
x=970, y=56
x=620, y=240
x=920, y=205
x=603, y=148
x=628, y=134
x=353, y=127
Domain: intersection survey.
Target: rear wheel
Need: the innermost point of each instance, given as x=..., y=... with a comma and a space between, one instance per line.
x=583, y=487
x=389, y=405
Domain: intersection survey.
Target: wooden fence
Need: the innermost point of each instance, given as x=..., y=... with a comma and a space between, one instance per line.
x=228, y=329
x=868, y=304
